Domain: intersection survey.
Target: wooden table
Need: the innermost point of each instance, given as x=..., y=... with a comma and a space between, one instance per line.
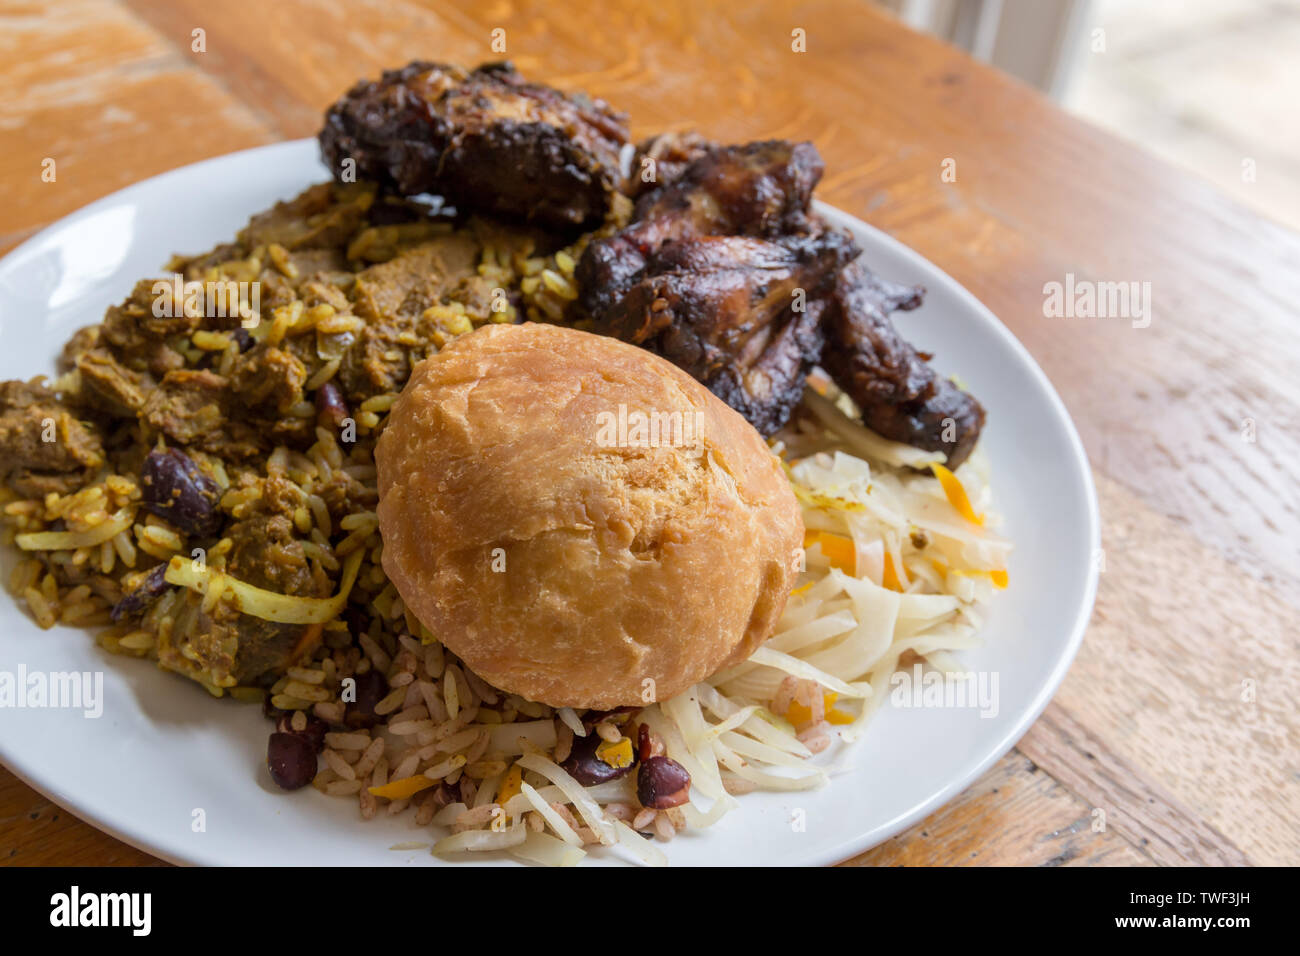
x=1200, y=525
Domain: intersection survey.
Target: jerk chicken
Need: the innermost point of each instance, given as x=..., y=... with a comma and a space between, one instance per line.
x=759, y=189
x=725, y=309
x=901, y=396
x=723, y=267
x=641, y=285
x=485, y=139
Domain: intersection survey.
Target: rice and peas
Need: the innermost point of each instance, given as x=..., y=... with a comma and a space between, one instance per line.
x=900, y=566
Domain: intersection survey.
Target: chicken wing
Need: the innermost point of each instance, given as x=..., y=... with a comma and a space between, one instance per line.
x=718, y=307
x=901, y=396
x=740, y=314
x=758, y=189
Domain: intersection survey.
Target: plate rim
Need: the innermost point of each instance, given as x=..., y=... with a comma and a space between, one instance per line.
x=864, y=839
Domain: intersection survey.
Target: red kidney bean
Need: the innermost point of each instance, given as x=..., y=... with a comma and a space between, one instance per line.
x=662, y=783
x=174, y=488
x=291, y=760
x=585, y=767
x=314, y=730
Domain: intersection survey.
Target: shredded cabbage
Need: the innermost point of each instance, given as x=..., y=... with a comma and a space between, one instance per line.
x=268, y=605
x=69, y=540
x=587, y=808
x=478, y=840
x=642, y=848
x=548, y=851
x=553, y=819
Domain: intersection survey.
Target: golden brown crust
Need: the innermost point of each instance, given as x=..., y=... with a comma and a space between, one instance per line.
x=621, y=564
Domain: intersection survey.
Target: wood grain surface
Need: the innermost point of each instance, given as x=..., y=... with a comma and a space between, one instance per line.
x=1152, y=752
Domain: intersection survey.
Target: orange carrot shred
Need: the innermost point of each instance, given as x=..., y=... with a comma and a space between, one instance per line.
x=404, y=788
x=956, y=493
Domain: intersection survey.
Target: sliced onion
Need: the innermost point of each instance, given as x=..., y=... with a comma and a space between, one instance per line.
x=548, y=851
x=70, y=540
x=768, y=781
x=700, y=819
x=478, y=840
x=504, y=738
x=571, y=720
x=449, y=814
x=855, y=654
x=557, y=822
x=863, y=441
x=619, y=789
x=587, y=808
x=269, y=605
x=487, y=790
x=701, y=765
x=814, y=632
x=730, y=723
x=640, y=847
x=794, y=666
x=755, y=750
x=762, y=724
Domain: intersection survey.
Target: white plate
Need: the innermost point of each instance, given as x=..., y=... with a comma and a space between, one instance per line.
x=164, y=750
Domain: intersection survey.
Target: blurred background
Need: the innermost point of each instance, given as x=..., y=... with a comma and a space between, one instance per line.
x=1210, y=85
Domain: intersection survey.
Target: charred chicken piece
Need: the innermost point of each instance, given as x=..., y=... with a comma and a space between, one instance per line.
x=901, y=396
x=758, y=189
x=740, y=314
x=484, y=139
x=684, y=280
x=661, y=159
